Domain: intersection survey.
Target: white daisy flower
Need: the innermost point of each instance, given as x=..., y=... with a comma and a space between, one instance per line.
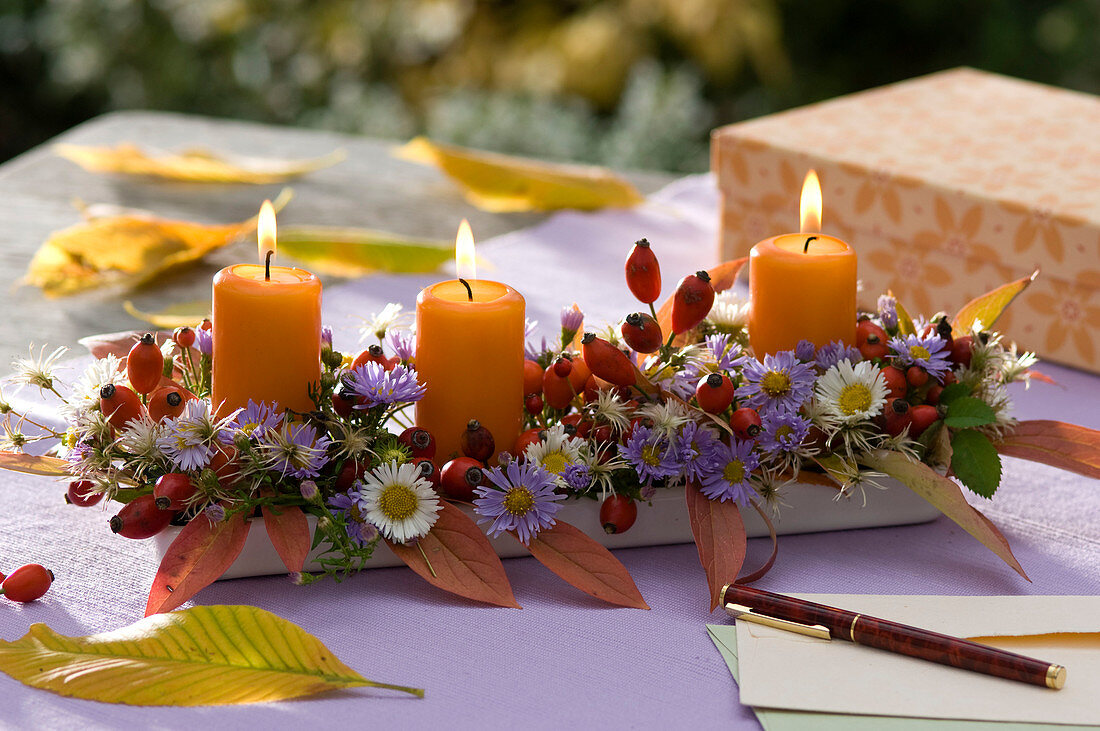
x=849, y=394
x=729, y=313
x=85, y=392
x=391, y=315
x=400, y=504
x=37, y=370
x=556, y=452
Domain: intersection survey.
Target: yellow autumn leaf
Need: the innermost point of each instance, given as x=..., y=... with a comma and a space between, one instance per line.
x=990, y=305
x=184, y=314
x=905, y=320
x=352, y=252
x=34, y=465
x=194, y=165
x=129, y=249
x=203, y=656
x=502, y=183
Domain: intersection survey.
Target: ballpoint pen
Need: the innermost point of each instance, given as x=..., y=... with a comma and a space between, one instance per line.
x=746, y=604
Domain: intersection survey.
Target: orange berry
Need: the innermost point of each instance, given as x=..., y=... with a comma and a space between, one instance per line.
x=532, y=377
x=643, y=272
x=144, y=364
x=606, y=361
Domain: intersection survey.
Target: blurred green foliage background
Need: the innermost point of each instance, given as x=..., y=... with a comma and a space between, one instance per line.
x=628, y=83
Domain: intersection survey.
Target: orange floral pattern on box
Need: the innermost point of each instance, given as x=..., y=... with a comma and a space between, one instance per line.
x=947, y=186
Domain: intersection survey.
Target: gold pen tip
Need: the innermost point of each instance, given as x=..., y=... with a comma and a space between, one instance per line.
x=1056, y=677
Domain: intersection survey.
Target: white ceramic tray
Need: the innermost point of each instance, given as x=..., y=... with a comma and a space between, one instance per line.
x=808, y=509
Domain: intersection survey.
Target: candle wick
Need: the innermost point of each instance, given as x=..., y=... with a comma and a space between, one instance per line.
x=267, y=265
x=469, y=292
x=806, y=248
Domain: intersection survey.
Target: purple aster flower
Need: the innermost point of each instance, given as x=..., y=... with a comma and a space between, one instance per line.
x=326, y=337
x=186, y=439
x=805, y=351
x=728, y=477
x=651, y=455
x=697, y=446
x=358, y=529
x=294, y=450
x=577, y=477
x=780, y=382
x=782, y=432
x=214, y=513
x=929, y=353
x=728, y=357
x=836, y=351
x=403, y=344
x=308, y=489
x=378, y=386
x=522, y=498
x=888, y=311
x=204, y=341
x=254, y=420
x=571, y=320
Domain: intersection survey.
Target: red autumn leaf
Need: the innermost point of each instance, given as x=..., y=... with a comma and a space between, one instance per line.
x=197, y=558
x=946, y=495
x=722, y=278
x=760, y=572
x=1040, y=376
x=460, y=560
x=720, y=538
x=585, y=564
x=1055, y=443
x=288, y=530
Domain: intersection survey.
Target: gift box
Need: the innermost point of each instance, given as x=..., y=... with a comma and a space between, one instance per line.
x=947, y=186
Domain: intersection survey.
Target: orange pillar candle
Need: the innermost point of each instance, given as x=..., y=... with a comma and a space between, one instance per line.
x=267, y=331
x=469, y=355
x=802, y=286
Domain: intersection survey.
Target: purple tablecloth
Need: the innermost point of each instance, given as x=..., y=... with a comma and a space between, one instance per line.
x=565, y=659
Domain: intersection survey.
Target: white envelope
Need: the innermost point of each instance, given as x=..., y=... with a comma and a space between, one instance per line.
x=781, y=669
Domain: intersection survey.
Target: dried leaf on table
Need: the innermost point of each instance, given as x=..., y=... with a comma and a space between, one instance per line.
x=203, y=656
x=990, y=305
x=948, y=498
x=350, y=252
x=33, y=465
x=719, y=537
x=585, y=564
x=502, y=183
x=457, y=557
x=196, y=165
x=197, y=558
x=126, y=250
x=288, y=530
x=1055, y=443
x=188, y=314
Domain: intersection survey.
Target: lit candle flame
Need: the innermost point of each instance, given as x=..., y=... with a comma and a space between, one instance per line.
x=465, y=262
x=809, y=210
x=265, y=230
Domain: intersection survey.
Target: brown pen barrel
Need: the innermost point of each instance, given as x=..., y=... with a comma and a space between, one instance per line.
x=959, y=653
x=837, y=621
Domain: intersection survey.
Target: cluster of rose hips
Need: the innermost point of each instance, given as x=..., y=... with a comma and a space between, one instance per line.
x=146, y=515
x=913, y=395
x=26, y=583
x=146, y=370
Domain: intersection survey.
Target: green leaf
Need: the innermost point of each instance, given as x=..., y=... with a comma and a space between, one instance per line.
x=953, y=391
x=975, y=462
x=352, y=252
x=969, y=411
x=203, y=656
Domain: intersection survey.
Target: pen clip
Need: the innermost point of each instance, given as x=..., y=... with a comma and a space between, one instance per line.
x=748, y=614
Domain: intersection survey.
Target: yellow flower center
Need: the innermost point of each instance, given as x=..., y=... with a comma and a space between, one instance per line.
x=784, y=431
x=919, y=352
x=775, y=384
x=555, y=462
x=398, y=502
x=734, y=472
x=519, y=501
x=855, y=397
x=651, y=455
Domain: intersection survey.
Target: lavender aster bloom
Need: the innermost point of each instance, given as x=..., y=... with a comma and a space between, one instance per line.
x=358, y=529
x=782, y=432
x=522, y=499
x=378, y=386
x=295, y=450
x=780, y=382
x=804, y=351
x=186, y=439
x=651, y=455
x=571, y=320
x=204, y=341
x=888, y=311
x=728, y=357
x=403, y=344
x=577, y=477
x=836, y=351
x=698, y=447
x=254, y=420
x=214, y=513
x=326, y=337
x=929, y=353
x=728, y=478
